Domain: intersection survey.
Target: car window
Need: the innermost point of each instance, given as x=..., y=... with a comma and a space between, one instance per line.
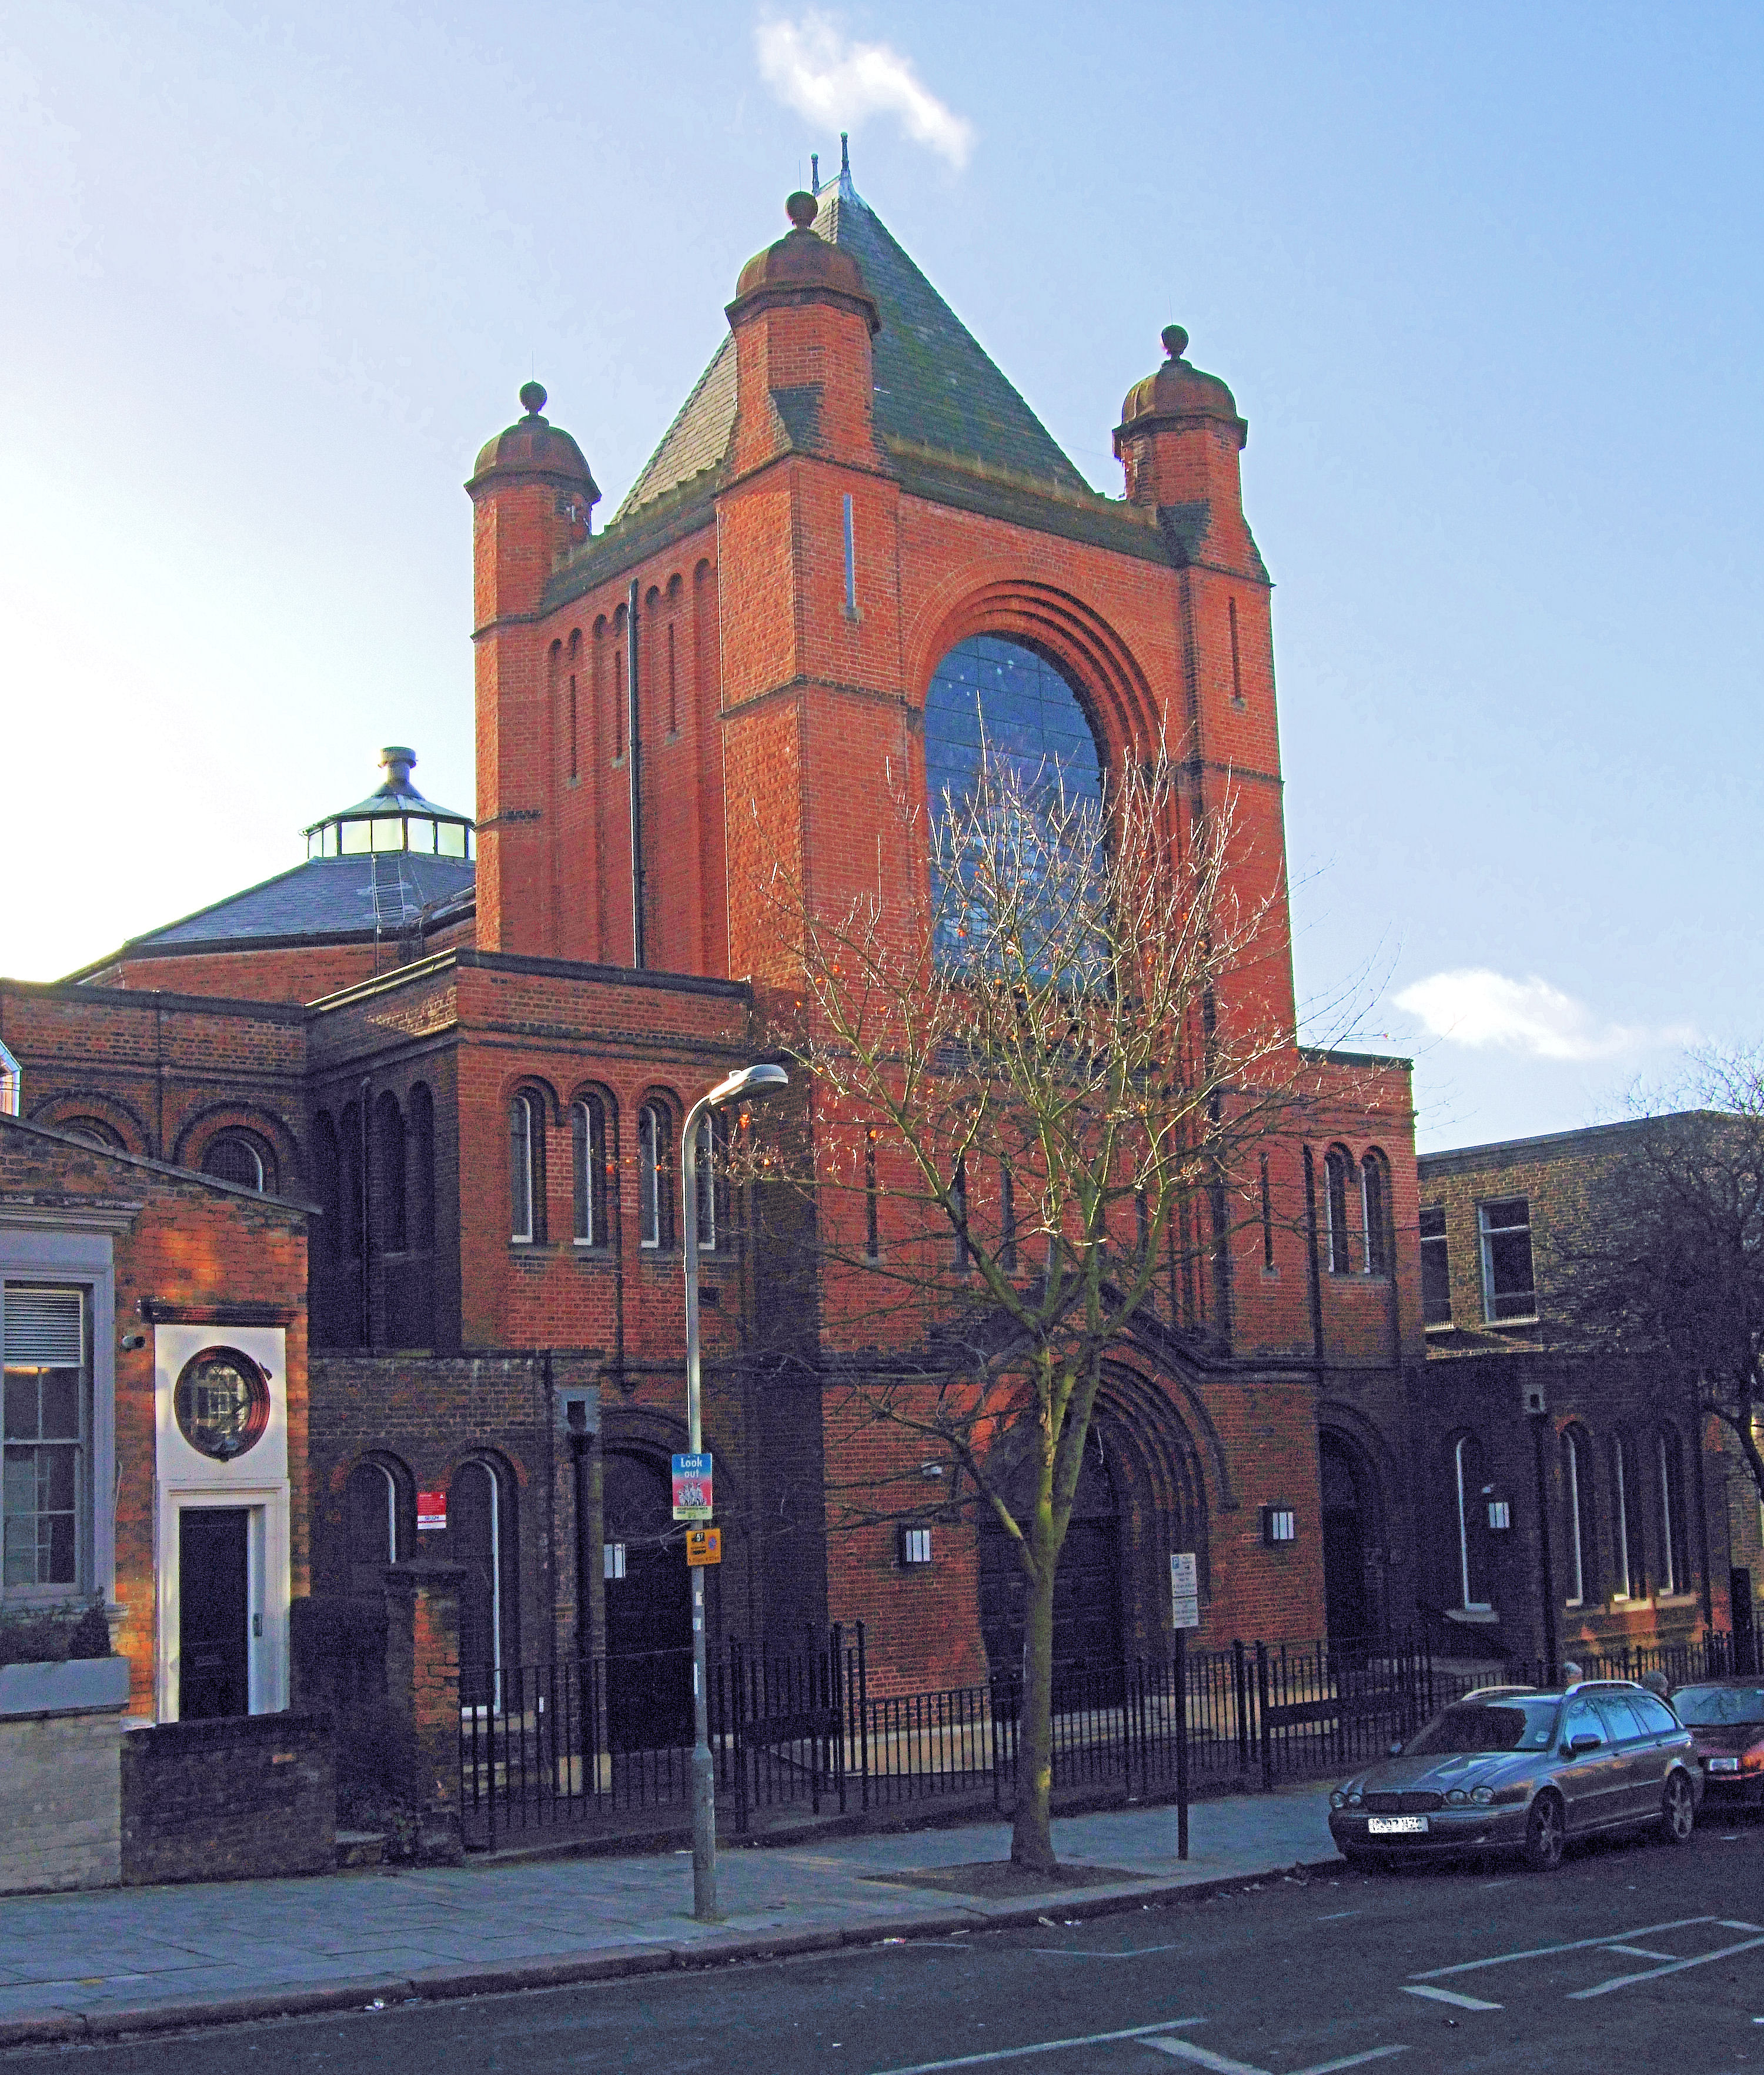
x=1719, y=1707
x=1622, y=1724
x=1513, y=1725
x=1659, y=1718
x=1581, y=1720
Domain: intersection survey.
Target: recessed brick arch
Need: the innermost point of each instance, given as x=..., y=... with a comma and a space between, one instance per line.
x=66, y=1106
x=196, y=1131
x=1077, y=639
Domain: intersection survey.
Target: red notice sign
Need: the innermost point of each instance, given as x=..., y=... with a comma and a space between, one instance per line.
x=431, y=1513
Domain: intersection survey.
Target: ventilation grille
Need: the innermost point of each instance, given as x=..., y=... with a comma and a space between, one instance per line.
x=43, y=1328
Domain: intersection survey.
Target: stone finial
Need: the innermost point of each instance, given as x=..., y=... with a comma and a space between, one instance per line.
x=532, y=398
x=800, y=209
x=1174, y=337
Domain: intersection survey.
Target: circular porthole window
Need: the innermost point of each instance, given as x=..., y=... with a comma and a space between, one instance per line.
x=221, y=1403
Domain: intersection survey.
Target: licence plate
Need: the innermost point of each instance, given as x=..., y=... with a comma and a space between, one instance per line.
x=1396, y=1826
x=1724, y=1765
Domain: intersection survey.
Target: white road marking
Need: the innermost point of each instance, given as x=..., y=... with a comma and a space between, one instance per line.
x=1335, y=1916
x=1574, y=1945
x=1202, y=2056
x=1732, y=1924
x=1654, y=1974
x=1640, y=1952
x=1045, y=2046
x=1350, y=2060
x=1451, y=1996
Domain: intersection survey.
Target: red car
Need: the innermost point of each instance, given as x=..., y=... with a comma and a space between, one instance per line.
x=1726, y=1718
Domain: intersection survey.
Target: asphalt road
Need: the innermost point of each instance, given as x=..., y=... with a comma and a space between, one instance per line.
x=1632, y=1955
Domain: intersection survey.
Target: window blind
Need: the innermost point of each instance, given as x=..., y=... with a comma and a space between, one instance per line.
x=42, y=1328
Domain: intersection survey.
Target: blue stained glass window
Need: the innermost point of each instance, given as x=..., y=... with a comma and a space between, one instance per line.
x=1031, y=716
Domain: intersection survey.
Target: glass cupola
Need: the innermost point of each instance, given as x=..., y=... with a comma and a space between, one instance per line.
x=394, y=817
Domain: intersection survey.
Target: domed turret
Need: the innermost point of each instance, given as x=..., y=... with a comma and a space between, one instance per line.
x=394, y=816
x=1179, y=390
x=533, y=447
x=802, y=264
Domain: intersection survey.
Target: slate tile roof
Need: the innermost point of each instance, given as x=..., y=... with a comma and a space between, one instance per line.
x=326, y=896
x=935, y=387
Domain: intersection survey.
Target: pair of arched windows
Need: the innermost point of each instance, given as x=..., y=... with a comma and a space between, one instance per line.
x=595, y=1162
x=1357, y=1206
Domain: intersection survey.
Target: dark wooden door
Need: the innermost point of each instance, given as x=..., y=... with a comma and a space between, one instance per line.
x=648, y=1611
x=213, y=1612
x=1089, y=1639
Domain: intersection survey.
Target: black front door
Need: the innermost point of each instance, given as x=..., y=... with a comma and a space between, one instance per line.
x=648, y=1611
x=213, y=1612
x=1347, y=1602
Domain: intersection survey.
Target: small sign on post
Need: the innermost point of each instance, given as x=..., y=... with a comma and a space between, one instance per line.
x=431, y=1513
x=1185, y=1590
x=704, y=1545
x=692, y=1487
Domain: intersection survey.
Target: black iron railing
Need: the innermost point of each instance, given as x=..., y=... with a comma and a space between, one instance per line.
x=556, y=1749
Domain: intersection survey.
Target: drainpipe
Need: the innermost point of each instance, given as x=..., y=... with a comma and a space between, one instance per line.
x=634, y=758
x=367, y=1306
x=1698, y=1422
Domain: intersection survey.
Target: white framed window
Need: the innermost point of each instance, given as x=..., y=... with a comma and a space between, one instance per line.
x=46, y=1487
x=588, y=1139
x=1469, y=1476
x=1374, y=1214
x=1674, y=1555
x=654, y=1202
x=1622, y=1584
x=1508, y=1291
x=1576, y=1494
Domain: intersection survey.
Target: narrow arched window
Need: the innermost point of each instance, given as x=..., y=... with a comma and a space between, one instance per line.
x=526, y=1168
x=481, y=1529
x=1470, y=1477
x=1375, y=1213
x=389, y=1177
x=1336, y=1166
x=422, y=1169
x=1674, y=1552
x=1629, y=1501
x=588, y=1141
x=355, y=1193
x=654, y=1195
x=1577, y=1514
x=712, y=1183
x=377, y=1534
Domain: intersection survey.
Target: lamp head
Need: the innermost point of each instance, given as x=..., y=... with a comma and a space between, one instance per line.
x=752, y=1083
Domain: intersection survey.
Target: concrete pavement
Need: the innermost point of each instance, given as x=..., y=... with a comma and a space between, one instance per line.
x=147, y=1959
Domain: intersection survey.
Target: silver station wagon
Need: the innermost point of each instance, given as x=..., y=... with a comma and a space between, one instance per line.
x=1512, y=1768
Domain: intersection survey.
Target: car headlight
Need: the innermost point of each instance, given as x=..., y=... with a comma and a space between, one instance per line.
x=1456, y=1797
x=1482, y=1795
x=1338, y=1800
x=1355, y=1797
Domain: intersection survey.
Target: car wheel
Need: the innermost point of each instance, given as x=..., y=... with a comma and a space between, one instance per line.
x=1678, y=1810
x=1544, y=1834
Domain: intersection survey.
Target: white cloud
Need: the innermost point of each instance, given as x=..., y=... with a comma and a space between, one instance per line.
x=1479, y=1008
x=819, y=73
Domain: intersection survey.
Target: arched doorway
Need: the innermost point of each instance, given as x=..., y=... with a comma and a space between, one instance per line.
x=1350, y=1531
x=648, y=1608
x=480, y=1525
x=1089, y=1629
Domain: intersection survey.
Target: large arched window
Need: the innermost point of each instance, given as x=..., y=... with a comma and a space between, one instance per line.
x=1470, y=1476
x=713, y=1182
x=379, y=1522
x=1013, y=700
x=481, y=1527
x=1577, y=1514
x=1630, y=1580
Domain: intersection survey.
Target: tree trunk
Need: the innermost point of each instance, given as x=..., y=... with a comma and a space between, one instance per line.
x=1032, y=1837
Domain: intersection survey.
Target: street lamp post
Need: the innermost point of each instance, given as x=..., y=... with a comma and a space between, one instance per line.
x=753, y=1083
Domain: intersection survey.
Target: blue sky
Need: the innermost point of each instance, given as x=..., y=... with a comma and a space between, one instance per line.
x=1485, y=282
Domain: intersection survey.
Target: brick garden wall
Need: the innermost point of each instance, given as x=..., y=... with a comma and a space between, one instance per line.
x=243, y=1799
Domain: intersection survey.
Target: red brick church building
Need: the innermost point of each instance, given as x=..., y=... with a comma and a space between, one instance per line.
x=468, y=1041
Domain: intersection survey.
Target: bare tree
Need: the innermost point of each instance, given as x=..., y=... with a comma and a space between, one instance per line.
x=1032, y=1080
x=1669, y=1261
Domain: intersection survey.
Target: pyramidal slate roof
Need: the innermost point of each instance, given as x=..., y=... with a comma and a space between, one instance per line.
x=325, y=896
x=936, y=387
